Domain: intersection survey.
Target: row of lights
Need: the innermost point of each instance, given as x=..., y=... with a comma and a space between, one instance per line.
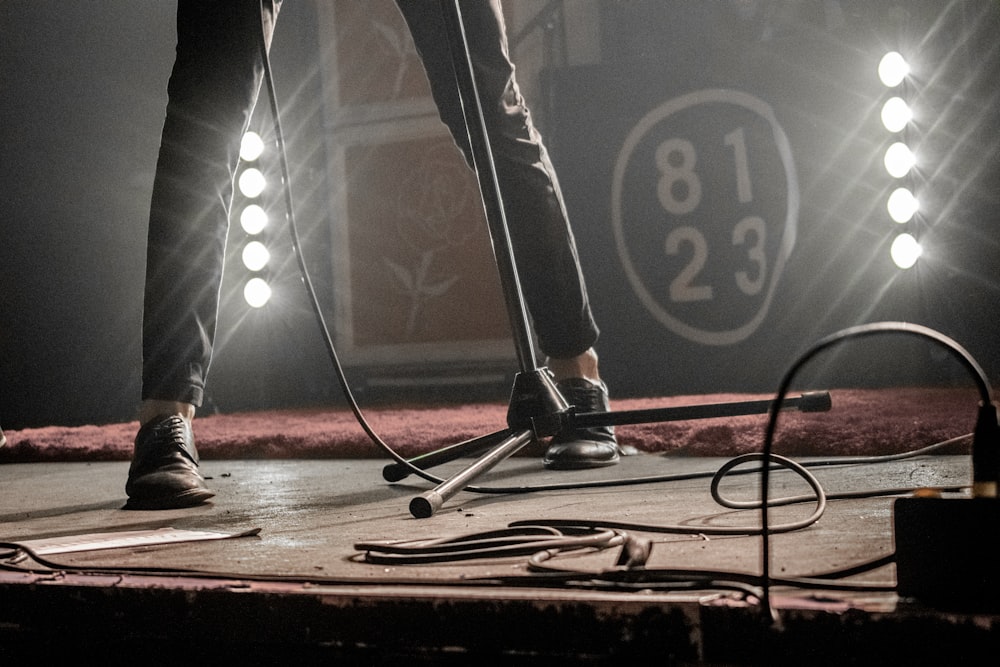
x=899, y=160
x=253, y=219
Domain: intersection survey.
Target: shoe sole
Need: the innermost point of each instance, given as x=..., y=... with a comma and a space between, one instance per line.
x=578, y=465
x=179, y=501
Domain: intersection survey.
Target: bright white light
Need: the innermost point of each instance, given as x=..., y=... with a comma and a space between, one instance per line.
x=899, y=159
x=257, y=292
x=252, y=182
x=896, y=114
x=902, y=205
x=905, y=251
x=255, y=256
x=253, y=219
x=251, y=147
x=892, y=69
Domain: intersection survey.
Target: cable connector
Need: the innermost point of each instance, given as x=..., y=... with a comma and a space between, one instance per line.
x=635, y=552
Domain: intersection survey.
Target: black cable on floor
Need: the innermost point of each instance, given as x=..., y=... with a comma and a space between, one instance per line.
x=984, y=455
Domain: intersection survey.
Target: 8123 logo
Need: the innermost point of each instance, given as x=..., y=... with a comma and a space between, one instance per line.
x=704, y=209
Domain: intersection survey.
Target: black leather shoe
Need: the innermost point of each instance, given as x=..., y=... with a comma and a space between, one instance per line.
x=164, y=471
x=591, y=447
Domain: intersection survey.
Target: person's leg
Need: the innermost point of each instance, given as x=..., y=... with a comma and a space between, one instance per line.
x=212, y=90
x=542, y=240
x=211, y=94
x=543, y=243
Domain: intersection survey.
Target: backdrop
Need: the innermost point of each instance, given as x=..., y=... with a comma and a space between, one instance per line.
x=723, y=166
x=722, y=162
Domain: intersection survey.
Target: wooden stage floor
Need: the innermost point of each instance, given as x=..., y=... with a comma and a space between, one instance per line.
x=275, y=568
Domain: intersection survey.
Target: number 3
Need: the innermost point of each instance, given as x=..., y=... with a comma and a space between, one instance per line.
x=751, y=225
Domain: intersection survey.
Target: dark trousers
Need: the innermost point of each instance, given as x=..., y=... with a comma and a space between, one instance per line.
x=212, y=91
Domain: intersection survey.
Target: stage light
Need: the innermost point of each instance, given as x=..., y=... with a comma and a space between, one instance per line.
x=252, y=146
x=257, y=292
x=252, y=182
x=892, y=69
x=899, y=159
x=896, y=114
x=253, y=219
x=902, y=205
x=255, y=256
x=905, y=251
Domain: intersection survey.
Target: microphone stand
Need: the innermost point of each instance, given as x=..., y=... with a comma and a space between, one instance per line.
x=534, y=394
x=536, y=408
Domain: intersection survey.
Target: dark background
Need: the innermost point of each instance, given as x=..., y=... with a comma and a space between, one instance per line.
x=82, y=97
x=82, y=93
x=815, y=65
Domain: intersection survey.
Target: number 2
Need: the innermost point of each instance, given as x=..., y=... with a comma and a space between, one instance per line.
x=682, y=288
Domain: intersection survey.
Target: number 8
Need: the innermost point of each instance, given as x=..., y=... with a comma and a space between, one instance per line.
x=671, y=174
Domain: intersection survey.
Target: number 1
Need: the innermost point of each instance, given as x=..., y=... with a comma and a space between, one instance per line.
x=737, y=140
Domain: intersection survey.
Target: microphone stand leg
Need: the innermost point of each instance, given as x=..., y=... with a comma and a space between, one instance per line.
x=535, y=410
x=395, y=472
x=427, y=503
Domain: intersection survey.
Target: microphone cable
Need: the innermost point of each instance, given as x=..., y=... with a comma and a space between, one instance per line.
x=766, y=456
x=328, y=339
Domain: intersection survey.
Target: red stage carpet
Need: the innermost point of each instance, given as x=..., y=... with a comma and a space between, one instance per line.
x=860, y=422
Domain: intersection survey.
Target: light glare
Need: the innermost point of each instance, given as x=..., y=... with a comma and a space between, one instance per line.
x=899, y=159
x=252, y=182
x=902, y=205
x=905, y=251
x=257, y=292
x=892, y=69
x=251, y=147
x=255, y=256
x=253, y=219
x=896, y=114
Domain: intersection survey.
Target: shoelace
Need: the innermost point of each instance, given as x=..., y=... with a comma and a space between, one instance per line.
x=173, y=431
x=586, y=398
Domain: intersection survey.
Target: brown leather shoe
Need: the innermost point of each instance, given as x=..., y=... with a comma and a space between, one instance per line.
x=164, y=471
x=579, y=448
